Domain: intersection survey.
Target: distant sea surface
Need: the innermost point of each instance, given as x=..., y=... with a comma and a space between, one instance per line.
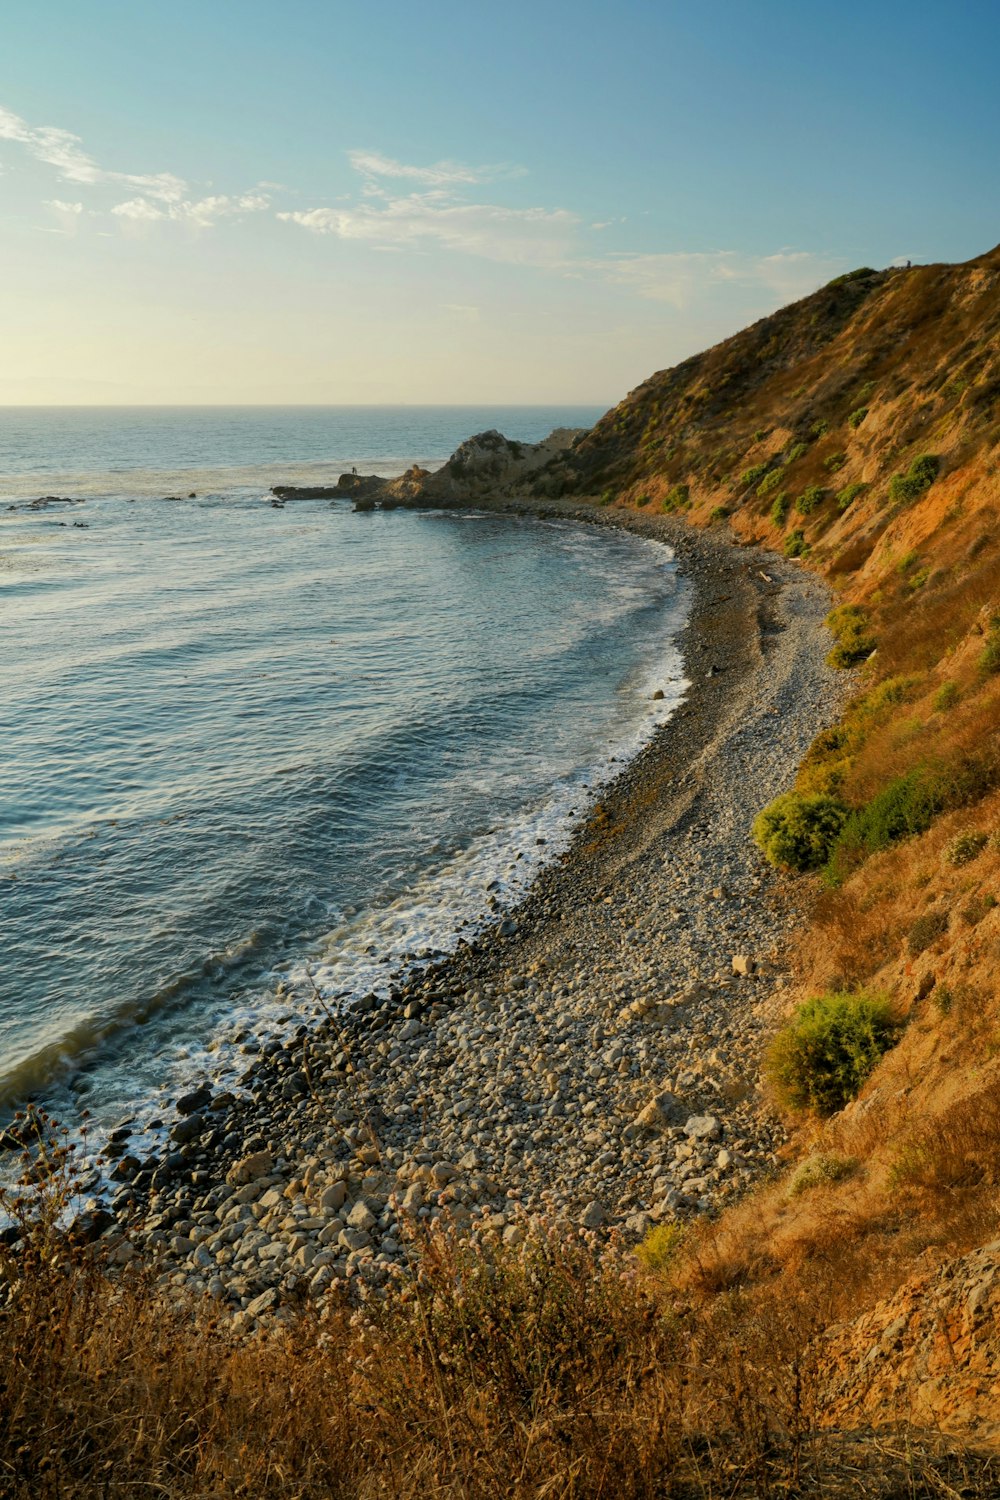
x=246, y=748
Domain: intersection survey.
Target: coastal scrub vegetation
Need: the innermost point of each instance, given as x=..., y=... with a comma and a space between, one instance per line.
x=822, y=1058
x=904, y=488
x=851, y=629
x=798, y=832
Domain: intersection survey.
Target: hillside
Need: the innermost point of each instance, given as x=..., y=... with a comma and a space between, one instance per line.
x=858, y=430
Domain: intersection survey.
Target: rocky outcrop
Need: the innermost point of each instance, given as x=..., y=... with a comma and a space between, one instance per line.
x=487, y=464
x=929, y=1355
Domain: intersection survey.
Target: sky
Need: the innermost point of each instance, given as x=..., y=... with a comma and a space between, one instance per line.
x=236, y=201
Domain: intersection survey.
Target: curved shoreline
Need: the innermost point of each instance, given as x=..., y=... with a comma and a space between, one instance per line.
x=592, y=1057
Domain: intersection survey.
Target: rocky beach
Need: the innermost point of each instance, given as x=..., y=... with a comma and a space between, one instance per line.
x=592, y=1057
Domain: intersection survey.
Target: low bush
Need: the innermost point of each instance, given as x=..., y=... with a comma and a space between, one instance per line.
x=859, y=275
x=849, y=494
x=819, y=429
x=857, y=416
x=851, y=630
x=798, y=831
x=780, y=508
x=821, y=1059
x=835, y=461
x=946, y=697
x=679, y=498
x=795, y=544
x=989, y=657
x=795, y=452
x=907, y=806
x=753, y=475
x=658, y=1250
x=770, y=482
x=976, y=908
x=810, y=498
x=919, y=477
x=926, y=930
x=720, y=513
x=966, y=847
x=642, y=500
x=819, y=1170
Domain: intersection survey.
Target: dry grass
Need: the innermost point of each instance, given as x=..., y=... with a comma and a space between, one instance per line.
x=541, y=1372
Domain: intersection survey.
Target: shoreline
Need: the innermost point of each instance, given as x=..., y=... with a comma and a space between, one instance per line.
x=591, y=1057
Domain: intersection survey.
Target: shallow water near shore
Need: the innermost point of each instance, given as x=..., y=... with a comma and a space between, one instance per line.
x=248, y=745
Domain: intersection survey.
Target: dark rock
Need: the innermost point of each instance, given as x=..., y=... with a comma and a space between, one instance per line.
x=199, y=1098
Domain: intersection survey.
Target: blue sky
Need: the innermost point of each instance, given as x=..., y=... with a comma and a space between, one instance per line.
x=236, y=201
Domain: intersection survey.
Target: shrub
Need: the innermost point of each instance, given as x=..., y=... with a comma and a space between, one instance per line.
x=835, y=461
x=857, y=416
x=720, y=513
x=946, y=697
x=770, y=482
x=822, y=1058
x=679, y=498
x=797, y=832
x=819, y=429
x=795, y=544
x=780, y=507
x=659, y=1248
x=642, y=500
x=849, y=276
x=965, y=847
x=976, y=908
x=760, y=434
x=849, y=494
x=919, y=477
x=926, y=930
x=795, y=452
x=818, y=1170
x=907, y=806
x=989, y=657
x=753, y=475
x=851, y=630
x=607, y=498
x=810, y=498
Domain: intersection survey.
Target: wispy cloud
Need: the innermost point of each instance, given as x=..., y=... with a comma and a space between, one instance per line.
x=374, y=164
x=398, y=207
x=64, y=151
x=681, y=278
x=526, y=236
x=202, y=212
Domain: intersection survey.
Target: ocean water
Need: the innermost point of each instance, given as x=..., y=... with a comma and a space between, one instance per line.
x=247, y=749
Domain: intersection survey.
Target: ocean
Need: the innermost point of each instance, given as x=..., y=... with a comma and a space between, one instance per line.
x=248, y=750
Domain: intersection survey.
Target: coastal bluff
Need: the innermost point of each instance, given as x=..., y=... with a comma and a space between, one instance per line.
x=487, y=464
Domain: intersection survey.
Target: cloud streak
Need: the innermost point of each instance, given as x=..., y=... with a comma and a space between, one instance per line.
x=399, y=207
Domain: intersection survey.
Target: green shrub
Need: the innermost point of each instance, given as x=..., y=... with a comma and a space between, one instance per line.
x=919, y=477
x=966, y=847
x=770, y=482
x=907, y=806
x=977, y=907
x=946, y=697
x=926, y=930
x=720, y=513
x=797, y=831
x=810, y=498
x=607, y=498
x=659, y=1248
x=779, y=510
x=795, y=452
x=679, y=498
x=849, y=276
x=819, y=429
x=989, y=657
x=820, y=1169
x=795, y=544
x=821, y=1059
x=835, y=461
x=753, y=475
x=850, y=628
x=857, y=416
x=760, y=434
x=849, y=494
x=642, y=500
